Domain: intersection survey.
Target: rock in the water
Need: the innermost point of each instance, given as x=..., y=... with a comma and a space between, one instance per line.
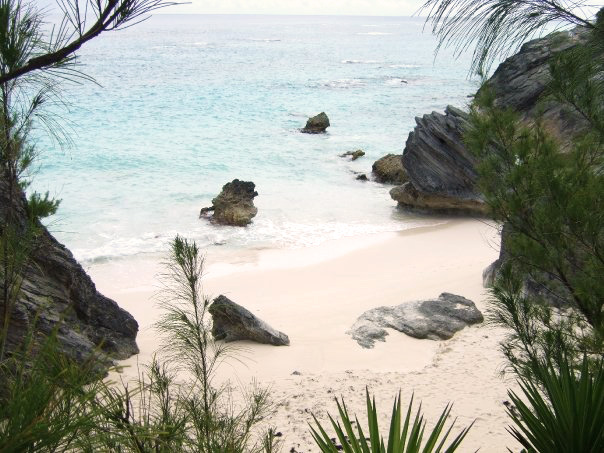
x=362, y=177
x=317, y=124
x=435, y=319
x=389, y=170
x=57, y=294
x=232, y=322
x=354, y=155
x=234, y=205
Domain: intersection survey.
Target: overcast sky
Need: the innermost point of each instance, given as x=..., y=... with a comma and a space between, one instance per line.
x=355, y=7
x=337, y=7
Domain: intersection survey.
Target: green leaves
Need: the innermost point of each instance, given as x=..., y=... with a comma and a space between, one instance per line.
x=404, y=436
x=566, y=414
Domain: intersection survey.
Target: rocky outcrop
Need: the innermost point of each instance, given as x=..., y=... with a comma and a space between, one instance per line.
x=57, y=294
x=354, y=155
x=389, y=170
x=442, y=173
x=234, y=205
x=435, y=319
x=520, y=83
x=317, y=124
x=232, y=322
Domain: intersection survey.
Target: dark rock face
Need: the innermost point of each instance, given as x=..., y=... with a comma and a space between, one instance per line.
x=317, y=124
x=520, y=82
x=232, y=322
x=234, y=205
x=442, y=173
x=354, y=155
x=58, y=291
x=389, y=170
x=435, y=319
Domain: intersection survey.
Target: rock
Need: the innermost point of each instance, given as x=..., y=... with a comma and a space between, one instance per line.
x=389, y=170
x=407, y=196
x=317, y=124
x=58, y=294
x=354, y=154
x=362, y=177
x=435, y=319
x=520, y=83
x=234, y=205
x=232, y=322
x=441, y=171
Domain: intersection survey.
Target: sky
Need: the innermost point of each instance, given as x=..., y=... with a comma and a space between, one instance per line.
x=339, y=7
x=331, y=7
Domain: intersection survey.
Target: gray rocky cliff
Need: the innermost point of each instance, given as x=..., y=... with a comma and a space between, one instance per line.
x=58, y=294
x=442, y=173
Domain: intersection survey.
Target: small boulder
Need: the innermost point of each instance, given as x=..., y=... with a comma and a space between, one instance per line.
x=233, y=322
x=389, y=170
x=317, y=124
x=234, y=205
x=435, y=319
x=354, y=155
x=362, y=177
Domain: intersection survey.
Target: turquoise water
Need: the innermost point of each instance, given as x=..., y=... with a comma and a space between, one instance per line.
x=188, y=103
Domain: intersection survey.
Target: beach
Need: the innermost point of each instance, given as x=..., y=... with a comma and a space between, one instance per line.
x=315, y=294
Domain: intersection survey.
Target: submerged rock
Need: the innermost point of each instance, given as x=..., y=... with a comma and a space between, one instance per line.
x=233, y=322
x=234, y=205
x=389, y=170
x=435, y=319
x=362, y=177
x=317, y=124
x=57, y=294
x=354, y=155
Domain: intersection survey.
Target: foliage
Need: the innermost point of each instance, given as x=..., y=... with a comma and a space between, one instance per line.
x=497, y=28
x=46, y=399
x=175, y=405
x=404, y=435
x=565, y=414
x=554, y=236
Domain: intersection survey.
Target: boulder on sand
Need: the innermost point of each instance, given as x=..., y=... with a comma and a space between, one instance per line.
x=317, y=124
x=234, y=205
x=233, y=322
x=435, y=319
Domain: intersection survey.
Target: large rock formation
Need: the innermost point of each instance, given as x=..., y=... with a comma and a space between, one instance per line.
x=232, y=322
x=435, y=319
x=58, y=294
x=234, y=205
x=317, y=124
x=520, y=83
x=389, y=170
x=442, y=173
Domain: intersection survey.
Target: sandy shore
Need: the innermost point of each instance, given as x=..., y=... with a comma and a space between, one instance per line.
x=314, y=295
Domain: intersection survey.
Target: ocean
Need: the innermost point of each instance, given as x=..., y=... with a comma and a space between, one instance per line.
x=185, y=104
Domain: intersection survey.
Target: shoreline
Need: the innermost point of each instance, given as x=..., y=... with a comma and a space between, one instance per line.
x=314, y=296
